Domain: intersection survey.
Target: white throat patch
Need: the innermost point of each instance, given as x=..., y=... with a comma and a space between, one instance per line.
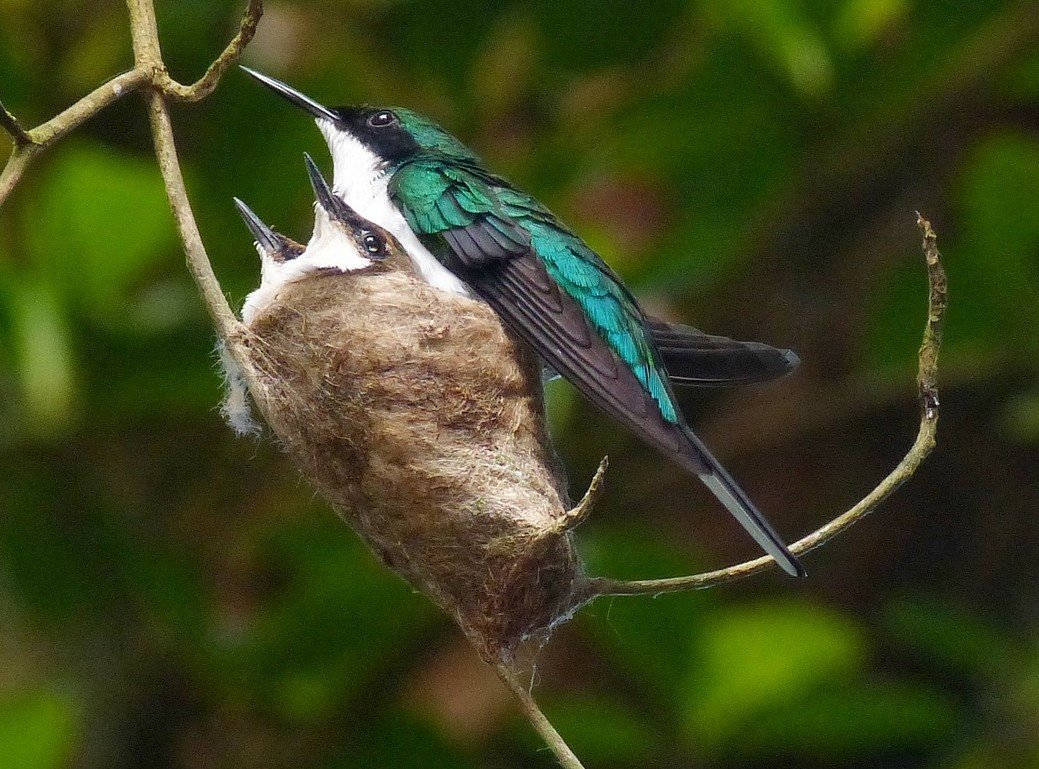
x=361, y=181
x=329, y=248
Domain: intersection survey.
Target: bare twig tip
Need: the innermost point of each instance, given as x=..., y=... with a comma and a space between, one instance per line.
x=927, y=377
x=206, y=84
x=590, y=499
x=14, y=128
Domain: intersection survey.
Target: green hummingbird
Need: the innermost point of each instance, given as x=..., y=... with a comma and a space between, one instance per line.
x=469, y=231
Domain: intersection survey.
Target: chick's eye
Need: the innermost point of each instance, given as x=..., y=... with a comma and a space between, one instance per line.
x=375, y=245
x=382, y=119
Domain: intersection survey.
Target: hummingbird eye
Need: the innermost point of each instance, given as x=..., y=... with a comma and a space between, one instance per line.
x=375, y=245
x=382, y=119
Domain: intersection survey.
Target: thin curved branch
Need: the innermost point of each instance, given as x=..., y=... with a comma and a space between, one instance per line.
x=198, y=260
x=205, y=85
x=72, y=118
x=59, y=126
x=566, y=757
x=144, y=33
x=927, y=384
x=17, y=162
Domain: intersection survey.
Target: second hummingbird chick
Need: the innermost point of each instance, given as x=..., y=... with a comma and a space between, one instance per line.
x=420, y=418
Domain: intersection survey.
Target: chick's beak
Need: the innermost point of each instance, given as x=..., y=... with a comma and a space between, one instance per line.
x=301, y=100
x=266, y=238
x=273, y=245
x=332, y=204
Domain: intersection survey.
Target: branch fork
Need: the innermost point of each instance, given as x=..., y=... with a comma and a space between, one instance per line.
x=10, y=124
x=149, y=70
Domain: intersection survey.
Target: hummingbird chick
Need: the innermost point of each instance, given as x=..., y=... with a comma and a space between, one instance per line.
x=419, y=417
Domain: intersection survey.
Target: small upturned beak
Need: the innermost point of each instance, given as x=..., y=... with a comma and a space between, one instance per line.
x=301, y=100
x=266, y=238
x=274, y=245
x=332, y=204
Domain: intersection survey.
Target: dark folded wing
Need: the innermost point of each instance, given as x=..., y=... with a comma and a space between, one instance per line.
x=486, y=240
x=530, y=303
x=695, y=359
x=523, y=294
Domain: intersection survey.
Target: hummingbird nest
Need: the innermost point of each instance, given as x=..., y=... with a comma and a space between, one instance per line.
x=421, y=420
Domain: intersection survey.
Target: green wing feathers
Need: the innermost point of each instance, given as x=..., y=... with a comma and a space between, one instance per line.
x=611, y=313
x=483, y=221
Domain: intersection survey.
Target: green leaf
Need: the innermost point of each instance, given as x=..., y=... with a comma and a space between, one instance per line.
x=402, y=740
x=785, y=34
x=37, y=730
x=756, y=658
x=59, y=549
x=1022, y=82
x=949, y=635
x=100, y=224
x=847, y=722
x=653, y=639
x=1020, y=420
x=168, y=589
x=585, y=34
x=1000, y=177
x=341, y=620
x=43, y=355
x=861, y=22
x=993, y=273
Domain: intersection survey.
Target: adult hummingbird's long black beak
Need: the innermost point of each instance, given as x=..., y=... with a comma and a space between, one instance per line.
x=332, y=204
x=301, y=100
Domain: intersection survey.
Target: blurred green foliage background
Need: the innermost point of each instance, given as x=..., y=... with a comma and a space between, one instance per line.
x=171, y=596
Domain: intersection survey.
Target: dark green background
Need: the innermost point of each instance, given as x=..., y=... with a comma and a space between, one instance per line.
x=171, y=596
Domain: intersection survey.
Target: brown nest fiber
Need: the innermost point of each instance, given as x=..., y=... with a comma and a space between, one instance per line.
x=422, y=421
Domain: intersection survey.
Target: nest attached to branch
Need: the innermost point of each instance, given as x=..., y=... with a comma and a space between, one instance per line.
x=421, y=420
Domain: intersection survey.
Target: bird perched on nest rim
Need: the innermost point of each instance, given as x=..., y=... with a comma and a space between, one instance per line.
x=471, y=232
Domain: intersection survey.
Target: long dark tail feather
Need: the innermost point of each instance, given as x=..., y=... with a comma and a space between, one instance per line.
x=695, y=359
x=736, y=501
